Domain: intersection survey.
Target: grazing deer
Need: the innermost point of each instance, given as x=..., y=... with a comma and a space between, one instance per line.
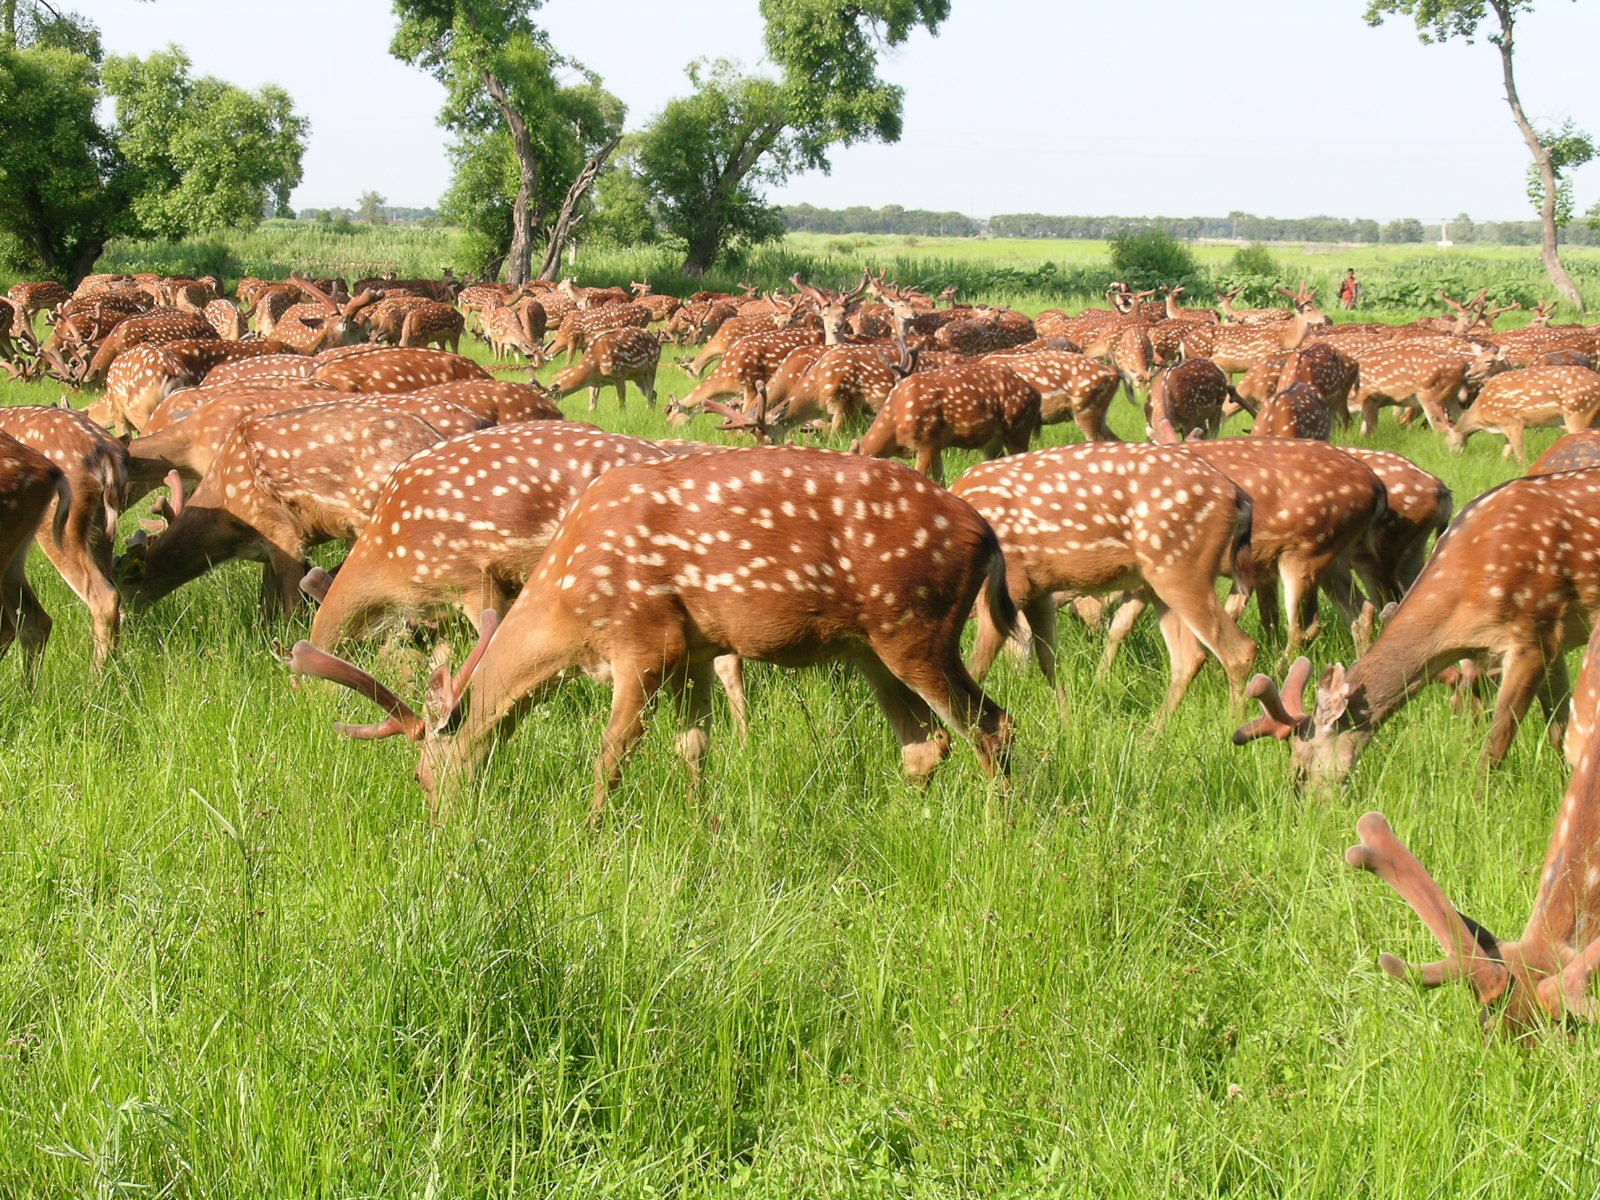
x=1190, y=397
x=1411, y=374
x=975, y=405
x=153, y=329
x=1298, y=411
x=1418, y=506
x=36, y=298
x=224, y=316
x=788, y=561
x=1113, y=517
x=319, y=325
x=842, y=383
x=144, y=375
x=1070, y=386
x=280, y=484
x=385, y=369
x=1544, y=976
x=29, y=484
x=1516, y=578
x=1238, y=347
x=745, y=369
x=79, y=543
x=1571, y=452
x=497, y=401
x=464, y=524
x=1512, y=402
x=614, y=358
x=518, y=327
x=661, y=308
x=735, y=329
x=581, y=326
x=268, y=367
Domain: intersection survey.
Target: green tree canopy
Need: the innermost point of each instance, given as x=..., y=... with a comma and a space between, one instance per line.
x=1442, y=20
x=707, y=157
x=522, y=133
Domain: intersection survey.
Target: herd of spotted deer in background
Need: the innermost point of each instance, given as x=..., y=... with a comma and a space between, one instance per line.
x=347, y=414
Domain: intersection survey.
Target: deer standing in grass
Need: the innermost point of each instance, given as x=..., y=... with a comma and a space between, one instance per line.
x=29, y=484
x=1511, y=403
x=787, y=560
x=1515, y=582
x=974, y=404
x=1110, y=518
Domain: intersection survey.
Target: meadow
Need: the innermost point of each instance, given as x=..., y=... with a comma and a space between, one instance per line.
x=238, y=959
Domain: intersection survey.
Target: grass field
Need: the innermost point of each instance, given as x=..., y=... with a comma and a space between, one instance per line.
x=237, y=959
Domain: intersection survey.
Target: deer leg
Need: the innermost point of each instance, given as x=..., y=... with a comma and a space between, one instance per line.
x=632, y=685
x=1369, y=416
x=1515, y=444
x=83, y=558
x=1300, y=599
x=594, y=398
x=1185, y=654
x=923, y=745
x=1214, y=629
x=1041, y=614
x=647, y=385
x=622, y=394
x=1555, y=696
x=22, y=619
x=986, y=648
x=1122, y=623
x=693, y=685
x=938, y=676
x=730, y=670
x=1521, y=671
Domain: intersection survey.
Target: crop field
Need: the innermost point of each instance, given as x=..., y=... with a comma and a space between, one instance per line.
x=238, y=959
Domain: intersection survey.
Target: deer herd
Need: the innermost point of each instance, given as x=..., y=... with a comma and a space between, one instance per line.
x=310, y=411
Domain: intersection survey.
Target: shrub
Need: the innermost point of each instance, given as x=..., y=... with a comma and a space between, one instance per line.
x=1147, y=257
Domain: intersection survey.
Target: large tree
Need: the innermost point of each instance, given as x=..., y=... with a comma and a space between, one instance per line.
x=512, y=116
x=182, y=155
x=1442, y=20
x=707, y=156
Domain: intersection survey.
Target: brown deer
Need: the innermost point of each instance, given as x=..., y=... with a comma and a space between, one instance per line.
x=613, y=358
x=1571, y=452
x=1298, y=411
x=1544, y=976
x=29, y=484
x=1513, y=402
x=280, y=484
x=1415, y=375
x=745, y=369
x=581, y=326
x=497, y=401
x=319, y=325
x=1070, y=386
x=782, y=565
x=385, y=369
x=79, y=541
x=145, y=375
x=518, y=327
x=261, y=370
x=661, y=307
x=1114, y=517
x=736, y=328
x=976, y=405
x=1238, y=347
x=1190, y=396
x=154, y=329
x=1418, y=507
x=1516, y=578
x=428, y=548
x=41, y=297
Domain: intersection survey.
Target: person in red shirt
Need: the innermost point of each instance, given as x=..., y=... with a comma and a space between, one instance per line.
x=1349, y=290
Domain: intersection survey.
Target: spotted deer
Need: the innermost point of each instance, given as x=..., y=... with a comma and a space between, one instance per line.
x=580, y=327
x=1414, y=375
x=1545, y=975
x=498, y=401
x=1515, y=581
x=976, y=405
x=787, y=561
x=386, y=369
x=518, y=327
x=280, y=484
x=41, y=297
x=1117, y=517
x=1323, y=366
x=1571, y=452
x=260, y=370
x=614, y=358
x=1237, y=347
x=320, y=324
x=1298, y=411
x=1070, y=386
x=842, y=383
x=1535, y=396
x=661, y=307
x=153, y=329
x=735, y=329
x=79, y=543
x=744, y=370
x=1418, y=507
x=1189, y=396
x=29, y=484
x=145, y=375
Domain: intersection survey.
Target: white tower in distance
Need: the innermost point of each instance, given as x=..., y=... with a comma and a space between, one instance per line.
x=1444, y=234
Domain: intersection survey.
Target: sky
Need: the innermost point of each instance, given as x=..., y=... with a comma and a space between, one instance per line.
x=1281, y=108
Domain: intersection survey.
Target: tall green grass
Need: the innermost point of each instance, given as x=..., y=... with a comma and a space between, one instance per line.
x=238, y=960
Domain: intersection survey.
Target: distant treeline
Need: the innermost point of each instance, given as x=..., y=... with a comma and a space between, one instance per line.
x=892, y=219
x=386, y=212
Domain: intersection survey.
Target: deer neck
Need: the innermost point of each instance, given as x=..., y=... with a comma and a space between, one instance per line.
x=1401, y=662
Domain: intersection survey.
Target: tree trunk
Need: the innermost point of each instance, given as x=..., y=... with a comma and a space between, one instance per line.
x=703, y=249
x=84, y=255
x=569, y=207
x=519, y=260
x=1549, y=253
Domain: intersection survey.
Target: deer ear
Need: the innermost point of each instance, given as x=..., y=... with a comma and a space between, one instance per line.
x=1333, y=696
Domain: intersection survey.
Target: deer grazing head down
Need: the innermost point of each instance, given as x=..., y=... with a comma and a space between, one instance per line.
x=1544, y=975
x=780, y=554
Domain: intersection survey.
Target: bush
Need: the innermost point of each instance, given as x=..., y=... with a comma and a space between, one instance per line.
x=1254, y=271
x=1254, y=259
x=1150, y=257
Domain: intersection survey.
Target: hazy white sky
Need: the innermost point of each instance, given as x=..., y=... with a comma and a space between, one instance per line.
x=1277, y=107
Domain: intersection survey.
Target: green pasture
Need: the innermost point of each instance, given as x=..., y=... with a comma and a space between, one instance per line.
x=238, y=960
